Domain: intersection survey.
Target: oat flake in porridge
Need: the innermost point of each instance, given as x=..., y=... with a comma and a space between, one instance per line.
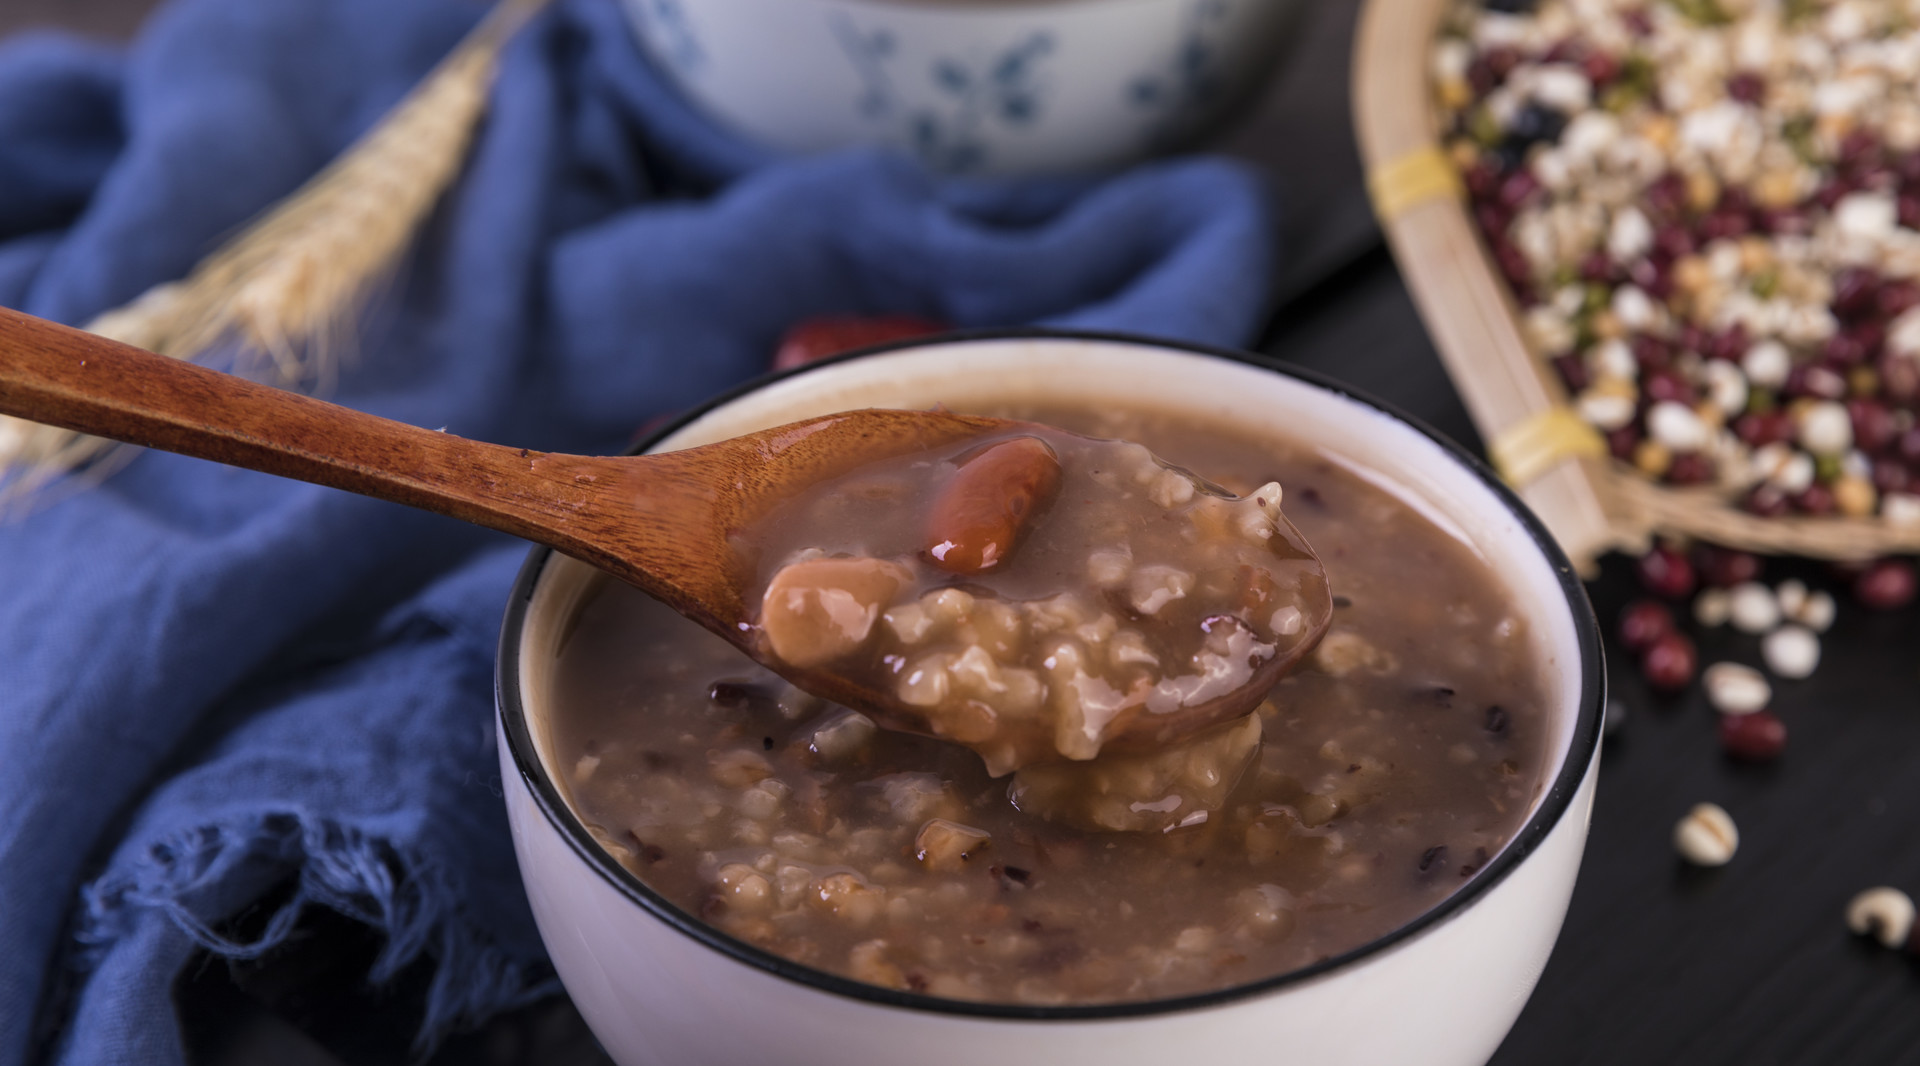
x=1372, y=783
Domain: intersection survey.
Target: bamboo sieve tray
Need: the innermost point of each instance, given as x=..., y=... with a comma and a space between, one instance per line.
x=1592, y=503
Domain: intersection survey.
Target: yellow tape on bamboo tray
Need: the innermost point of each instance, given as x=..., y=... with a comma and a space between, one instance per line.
x=1413, y=179
x=1535, y=445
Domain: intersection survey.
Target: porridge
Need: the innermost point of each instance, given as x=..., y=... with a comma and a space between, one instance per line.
x=1036, y=594
x=1370, y=783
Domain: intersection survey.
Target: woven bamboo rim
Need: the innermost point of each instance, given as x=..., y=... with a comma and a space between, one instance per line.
x=1591, y=502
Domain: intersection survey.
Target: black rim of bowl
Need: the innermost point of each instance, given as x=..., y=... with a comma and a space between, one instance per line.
x=1554, y=805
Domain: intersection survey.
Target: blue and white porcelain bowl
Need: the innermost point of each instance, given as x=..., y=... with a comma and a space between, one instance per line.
x=968, y=86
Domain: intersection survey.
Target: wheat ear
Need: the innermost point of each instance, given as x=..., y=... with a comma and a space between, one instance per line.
x=286, y=290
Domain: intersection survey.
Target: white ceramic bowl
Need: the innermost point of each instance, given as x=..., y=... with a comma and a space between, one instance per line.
x=969, y=86
x=658, y=987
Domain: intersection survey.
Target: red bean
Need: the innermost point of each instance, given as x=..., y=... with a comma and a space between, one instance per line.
x=1874, y=428
x=1897, y=297
x=1483, y=179
x=1596, y=266
x=1907, y=205
x=1817, y=500
x=1643, y=623
x=1855, y=290
x=1763, y=427
x=1891, y=475
x=1747, y=87
x=1724, y=224
x=1690, y=468
x=1757, y=737
x=1601, y=67
x=1766, y=501
x=1665, y=572
x=980, y=516
x=1843, y=350
x=1662, y=385
x=1729, y=344
x=1622, y=441
x=1573, y=371
x=1669, y=662
x=1651, y=352
x=1517, y=188
x=1899, y=378
x=1673, y=241
x=1725, y=567
x=1885, y=585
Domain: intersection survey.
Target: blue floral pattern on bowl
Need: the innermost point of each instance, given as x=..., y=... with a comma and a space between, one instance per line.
x=1194, y=78
x=946, y=127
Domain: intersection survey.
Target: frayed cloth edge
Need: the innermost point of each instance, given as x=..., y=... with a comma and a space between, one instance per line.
x=405, y=896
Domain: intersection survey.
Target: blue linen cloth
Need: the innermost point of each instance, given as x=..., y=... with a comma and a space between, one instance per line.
x=215, y=684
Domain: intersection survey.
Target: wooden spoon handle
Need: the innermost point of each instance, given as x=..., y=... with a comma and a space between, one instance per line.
x=79, y=381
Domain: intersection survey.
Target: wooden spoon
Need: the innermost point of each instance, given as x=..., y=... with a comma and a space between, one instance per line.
x=661, y=522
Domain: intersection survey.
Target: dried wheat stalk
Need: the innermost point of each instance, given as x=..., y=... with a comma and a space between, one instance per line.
x=285, y=291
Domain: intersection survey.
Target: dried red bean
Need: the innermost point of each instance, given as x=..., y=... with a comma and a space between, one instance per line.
x=1674, y=241
x=1667, y=385
x=1899, y=378
x=1855, y=289
x=1898, y=296
x=1859, y=145
x=1665, y=572
x=1747, y=87
x=1729, y=344
x=1890, y=475
x=1622, y=441
x=1600, y=67
x=1722, y=225
x=1766, y=501
x=1669, y=664
x=1843, y=350
x=1757, y=737
x=1817, y=500
x=1874, y=428
x=1596, y=266
x=1885, y=585
x=1573, y=371
x=1907, y=206
x=1761, y=428
x=1690, y=468
x=1833, y=192
x=1786, y=221
x=1482, y=180
x=1644, y=622
x=1517, y=188
x=1726, y=567
x=1651, y=352
x=1666, y=197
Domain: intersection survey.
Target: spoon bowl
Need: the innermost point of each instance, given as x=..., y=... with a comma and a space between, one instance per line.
x=667, y=523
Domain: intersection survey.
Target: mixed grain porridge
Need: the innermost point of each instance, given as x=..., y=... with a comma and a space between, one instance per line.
x=1371, y=782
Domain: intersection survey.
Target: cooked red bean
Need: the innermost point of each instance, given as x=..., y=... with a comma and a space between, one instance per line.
x=977, y=522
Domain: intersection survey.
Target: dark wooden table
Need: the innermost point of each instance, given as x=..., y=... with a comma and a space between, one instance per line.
x=1658, y=963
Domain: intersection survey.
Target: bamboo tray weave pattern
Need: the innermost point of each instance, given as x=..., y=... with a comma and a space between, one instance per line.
x=1559, y=465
